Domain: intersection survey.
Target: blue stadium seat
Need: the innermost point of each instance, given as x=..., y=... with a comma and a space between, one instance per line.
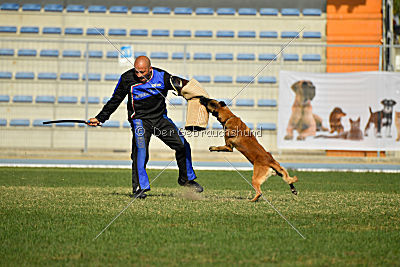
x=175, y=101
x=126, y=124
x=6, y=52
x=290, y=12
x=139, y=53
x=69, y=76
x=71, y=53
x=312, y=12
x=311, y=57
x=19, y=122
x=45, y=99
x=75, y=8
x=225, y=34
x=9, y=6
x=117, y=32
x=47, y=76
x=179, y=55
x=140, y=10
x=223, y=79
x=160, y=33
x=268, y=34
x=73, y=31
x=202, y=56
x=67, y=99
x=65, y=124
x=204, y=11
x=94, y=31
x=111, y=77
x=183, y=11
x=112, y=54
x=217, y=126
x=95, y=54
x=3, y=122
x=159, y=55
x=111, y=124
x=4, y=98
x=310, y=34
x=289, y=34
x=290, y=57
x=247, y=11
x=244, y=79
x=267, y=56
x=22, y=99
x=53, y=8
x=119, y=9
x=27, y=52
x=92, y=77
x=223, y=56
x=245, y=102
x=162, y=10
x=245, y=56
x=29, y=29
x=39, y=123
x=202, y=78
x=49, y=53
x=266, y=103
x=267, y=79
x=247, y=34
x=139, y=32
x=5, y=75
x=91, y=100
x=8, y=29
x=203, y=33
x=226, y=11
x=266, y=126
x=97, y=9
x=31, y=7
x=22, y=75
x=182, y=33
x=269, y=12
x=51, y=30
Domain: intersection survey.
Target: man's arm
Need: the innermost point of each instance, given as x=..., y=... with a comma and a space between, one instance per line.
x=112, y=104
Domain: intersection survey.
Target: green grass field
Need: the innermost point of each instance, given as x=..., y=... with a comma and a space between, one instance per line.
x=51, y=216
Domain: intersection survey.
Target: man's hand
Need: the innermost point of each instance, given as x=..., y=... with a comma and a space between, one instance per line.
x=93, y=122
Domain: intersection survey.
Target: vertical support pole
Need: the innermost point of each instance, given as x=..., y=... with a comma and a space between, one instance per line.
x=85, y=149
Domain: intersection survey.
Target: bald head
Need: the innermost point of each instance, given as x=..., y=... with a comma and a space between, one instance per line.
x=142, y=62
x=143, y=68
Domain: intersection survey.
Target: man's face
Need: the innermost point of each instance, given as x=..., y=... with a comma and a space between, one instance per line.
x=143, y=73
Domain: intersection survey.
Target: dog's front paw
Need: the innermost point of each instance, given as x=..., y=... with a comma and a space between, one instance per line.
x=212, y=148
x=288, y=137
x=301, y=138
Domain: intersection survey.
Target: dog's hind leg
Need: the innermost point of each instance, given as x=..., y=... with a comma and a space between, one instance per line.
x=260, y=175
x=281, y=171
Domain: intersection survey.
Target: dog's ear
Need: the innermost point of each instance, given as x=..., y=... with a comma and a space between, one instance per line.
x=359, y=119
x=222, y=103
x=383, y=102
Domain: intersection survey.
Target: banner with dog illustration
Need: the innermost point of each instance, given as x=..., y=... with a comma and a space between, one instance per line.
x=339, y=111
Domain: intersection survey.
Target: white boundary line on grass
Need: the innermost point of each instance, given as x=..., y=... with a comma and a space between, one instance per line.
x=210, y=168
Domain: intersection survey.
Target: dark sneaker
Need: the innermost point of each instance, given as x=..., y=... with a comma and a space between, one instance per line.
x=194, y=185
x=139, y=194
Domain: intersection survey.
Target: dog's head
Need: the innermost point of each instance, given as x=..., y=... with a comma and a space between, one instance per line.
x=305, y=90
x=338, y=112
x=213, y=106
x=388, y=105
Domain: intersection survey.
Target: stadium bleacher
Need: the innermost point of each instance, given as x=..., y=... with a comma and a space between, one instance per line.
x=223, y=57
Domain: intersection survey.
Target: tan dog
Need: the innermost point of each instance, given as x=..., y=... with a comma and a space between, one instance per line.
x=239, y=136
x=335, y=120
x=302, y=118
x=397, y=122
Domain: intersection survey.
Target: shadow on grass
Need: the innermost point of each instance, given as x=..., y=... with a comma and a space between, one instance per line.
x=172, y=195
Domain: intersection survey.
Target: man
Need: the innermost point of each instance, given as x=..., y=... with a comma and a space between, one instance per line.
x=147, y=88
